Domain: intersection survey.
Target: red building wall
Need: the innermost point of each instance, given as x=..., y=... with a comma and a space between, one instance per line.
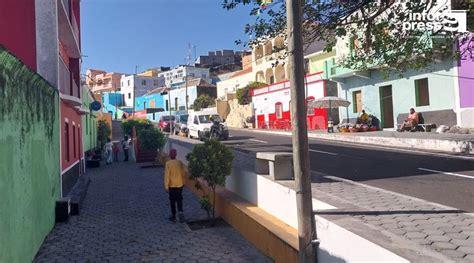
x=18, y=29
x=70, y=138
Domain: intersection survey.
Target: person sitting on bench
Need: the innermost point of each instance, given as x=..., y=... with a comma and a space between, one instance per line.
x=411, y=122
x=363, y=118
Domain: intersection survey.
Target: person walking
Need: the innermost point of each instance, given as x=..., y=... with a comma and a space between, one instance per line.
x=108, y=150
x=126, y=147
x=174, y=182
x=115, y=150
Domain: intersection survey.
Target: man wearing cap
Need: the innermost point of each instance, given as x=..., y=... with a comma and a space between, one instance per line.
x=174, y=182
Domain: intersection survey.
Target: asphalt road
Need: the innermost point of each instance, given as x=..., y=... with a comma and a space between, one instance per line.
x=443, y=179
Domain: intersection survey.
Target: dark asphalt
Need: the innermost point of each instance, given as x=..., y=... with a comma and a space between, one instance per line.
x=386, y=168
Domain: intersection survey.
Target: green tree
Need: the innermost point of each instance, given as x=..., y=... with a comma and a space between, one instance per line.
x=244, y=94
x=202, y=102
x=376, y=31
x=211, y=162
x=139, y=124
x=151, y=139
x=103, y=132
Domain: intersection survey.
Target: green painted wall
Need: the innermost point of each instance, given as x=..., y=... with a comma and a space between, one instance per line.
x=89, y=123
x=317, y=62
x=29, y=159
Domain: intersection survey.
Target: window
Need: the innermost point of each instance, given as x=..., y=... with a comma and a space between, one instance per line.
x=422, y=92
x=155, y=82
x=74, y=140
x=66, y=139
x=309, y=101
x=121, y=83
x=204, y=76
x=196, y=120
x=128, y=82
x=176, y=103
x=279, y=110
x=357, y=101
x=143, y=82
x=79, y=142
x=191, y=75
x=129, y=95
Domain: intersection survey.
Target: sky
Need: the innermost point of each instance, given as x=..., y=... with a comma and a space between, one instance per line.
x=118, y=35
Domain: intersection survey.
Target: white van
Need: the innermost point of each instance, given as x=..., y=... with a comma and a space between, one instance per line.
x=199, y=124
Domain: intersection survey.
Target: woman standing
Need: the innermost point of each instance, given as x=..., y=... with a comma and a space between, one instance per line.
x=108, y=150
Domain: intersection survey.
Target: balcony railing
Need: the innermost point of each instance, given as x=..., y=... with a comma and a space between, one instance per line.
x=67, y=84
x=64, y=78
x=68, y=29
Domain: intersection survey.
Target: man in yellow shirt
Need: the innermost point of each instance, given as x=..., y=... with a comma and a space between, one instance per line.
x=174, y=182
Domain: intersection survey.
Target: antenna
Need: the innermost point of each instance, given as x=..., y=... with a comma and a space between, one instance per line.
x=189, y=56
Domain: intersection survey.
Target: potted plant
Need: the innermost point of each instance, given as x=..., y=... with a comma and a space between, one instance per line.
x=210, y=162
x=151, y=140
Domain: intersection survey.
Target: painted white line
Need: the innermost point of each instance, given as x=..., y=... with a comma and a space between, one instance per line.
x=383, y=147
x=447, y=173
x=254, y=140
x=383, y=190
x=316, y=151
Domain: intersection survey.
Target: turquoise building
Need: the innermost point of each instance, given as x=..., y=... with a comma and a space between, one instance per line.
x=430, y=91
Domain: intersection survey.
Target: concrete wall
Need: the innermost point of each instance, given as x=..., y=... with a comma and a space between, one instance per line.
x=441, y=91
x=238, y=114
x=30, y=161
x=47, y=57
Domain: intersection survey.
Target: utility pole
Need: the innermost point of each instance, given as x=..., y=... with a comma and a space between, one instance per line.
x=306, y=223
x=134, y=88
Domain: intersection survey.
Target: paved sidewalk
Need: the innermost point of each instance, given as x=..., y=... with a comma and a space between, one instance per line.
x=442, y=232
x=435, y=227
x=124, y=219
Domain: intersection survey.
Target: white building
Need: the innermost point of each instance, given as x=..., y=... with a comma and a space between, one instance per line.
x=139, y=84
x=178, y=74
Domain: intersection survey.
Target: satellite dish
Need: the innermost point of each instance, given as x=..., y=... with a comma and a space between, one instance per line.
x=95, y=106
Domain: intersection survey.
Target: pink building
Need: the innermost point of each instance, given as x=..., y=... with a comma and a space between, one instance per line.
x=100, y=81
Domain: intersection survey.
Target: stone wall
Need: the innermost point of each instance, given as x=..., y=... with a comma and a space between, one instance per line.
x=238, y=114
x=29, y=163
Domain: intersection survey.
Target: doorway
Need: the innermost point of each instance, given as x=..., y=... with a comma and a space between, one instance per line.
x=386, y=106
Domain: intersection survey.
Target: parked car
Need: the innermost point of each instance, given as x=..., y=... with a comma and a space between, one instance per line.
x=164, y=123
x=200, y=123
x=181, y=123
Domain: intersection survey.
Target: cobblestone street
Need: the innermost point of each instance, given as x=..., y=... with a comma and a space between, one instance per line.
x=124, y=218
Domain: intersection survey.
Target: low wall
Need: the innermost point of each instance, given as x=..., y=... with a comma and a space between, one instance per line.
x=273, y=202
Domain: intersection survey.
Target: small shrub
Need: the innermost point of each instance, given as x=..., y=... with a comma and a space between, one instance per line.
x=103, y=132
x=202, y=102
x=140, y=124
x=244, y=95
x=151, y=139
x=211, y=162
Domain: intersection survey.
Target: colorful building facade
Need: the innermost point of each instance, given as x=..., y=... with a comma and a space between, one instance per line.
x=46, y=36
x=465, y=93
